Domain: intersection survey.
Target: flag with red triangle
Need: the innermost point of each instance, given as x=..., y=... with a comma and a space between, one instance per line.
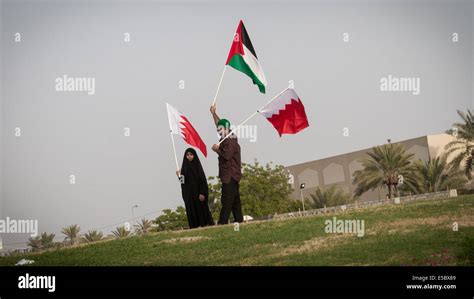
x=242, y=57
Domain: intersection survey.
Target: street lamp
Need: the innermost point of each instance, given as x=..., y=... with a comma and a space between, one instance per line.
x=302, y=185
x=133, y=212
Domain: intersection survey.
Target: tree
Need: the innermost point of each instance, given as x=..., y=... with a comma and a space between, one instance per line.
x=71, y=232
x=93, y=236
x=172, y=220
x=264, y=190
x=215, y=204
x=332, y=196
x=44, y=241
x=35, y=243
x=143, y=227
x=121, y=232
x=47, y=240
x=436, y=175
x=463, y=146
x=383, y=168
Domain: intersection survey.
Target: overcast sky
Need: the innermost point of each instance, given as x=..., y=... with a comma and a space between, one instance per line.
x=64, y=133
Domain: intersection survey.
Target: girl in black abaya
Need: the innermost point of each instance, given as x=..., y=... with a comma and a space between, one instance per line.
x=195, y=190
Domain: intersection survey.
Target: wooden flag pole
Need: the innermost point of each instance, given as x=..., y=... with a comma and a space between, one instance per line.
x=253, y=114
x=219, y=86
x=273, y=99
x=174, y=150
x=237, y=128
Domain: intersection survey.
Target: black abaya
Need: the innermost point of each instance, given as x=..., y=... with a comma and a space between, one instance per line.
x=195, y=183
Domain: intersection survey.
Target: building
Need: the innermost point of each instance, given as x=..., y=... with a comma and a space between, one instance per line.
x=340, y=169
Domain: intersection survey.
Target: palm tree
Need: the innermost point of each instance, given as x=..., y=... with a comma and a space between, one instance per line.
x=463, y=146
x=35, y=243
x=121, y=232
x=333, y=196
x=71, y=232
x=436, y=175
x=47, y=240
x=93, y=236
x=143, y=227
x=383, y=168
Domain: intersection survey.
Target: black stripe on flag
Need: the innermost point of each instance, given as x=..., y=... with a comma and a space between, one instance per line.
x=246, y=40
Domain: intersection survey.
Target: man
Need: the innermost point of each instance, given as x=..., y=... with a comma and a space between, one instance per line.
x=229, y=170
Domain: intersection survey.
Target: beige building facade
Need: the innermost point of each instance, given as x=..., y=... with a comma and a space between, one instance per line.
x=339, y=170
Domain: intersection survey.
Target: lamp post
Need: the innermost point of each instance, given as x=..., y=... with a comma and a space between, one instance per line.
x=133, y=211
x=301, y=192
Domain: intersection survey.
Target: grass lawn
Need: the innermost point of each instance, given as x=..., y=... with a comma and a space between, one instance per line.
x=419, y=233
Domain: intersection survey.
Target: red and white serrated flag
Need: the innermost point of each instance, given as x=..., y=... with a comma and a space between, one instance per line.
x=286, y=113
x=180, y=125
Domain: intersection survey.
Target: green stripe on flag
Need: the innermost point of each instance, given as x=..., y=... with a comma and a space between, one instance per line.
x=238, y=63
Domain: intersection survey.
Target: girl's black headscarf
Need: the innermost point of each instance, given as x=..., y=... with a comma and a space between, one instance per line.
x=193, y=172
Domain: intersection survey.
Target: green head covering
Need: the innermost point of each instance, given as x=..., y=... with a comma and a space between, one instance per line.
x=224, y=123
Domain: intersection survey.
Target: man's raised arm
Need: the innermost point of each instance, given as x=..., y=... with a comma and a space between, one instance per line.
x=214, y=114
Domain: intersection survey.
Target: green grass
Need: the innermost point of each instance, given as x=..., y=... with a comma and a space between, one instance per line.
x=419, y=233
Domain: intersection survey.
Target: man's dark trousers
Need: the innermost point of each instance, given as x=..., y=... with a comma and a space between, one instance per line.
x=230, y=202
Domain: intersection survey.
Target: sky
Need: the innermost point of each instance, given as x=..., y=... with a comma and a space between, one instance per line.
x=335, y=52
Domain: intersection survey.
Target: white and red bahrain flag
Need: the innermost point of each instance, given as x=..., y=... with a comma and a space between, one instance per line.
x=286, y=113
x=180, y=125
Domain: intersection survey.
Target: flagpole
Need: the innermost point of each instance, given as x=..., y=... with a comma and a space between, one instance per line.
x=174, y=150
x=273, y=99
x=253, y=114
x=219, y=86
